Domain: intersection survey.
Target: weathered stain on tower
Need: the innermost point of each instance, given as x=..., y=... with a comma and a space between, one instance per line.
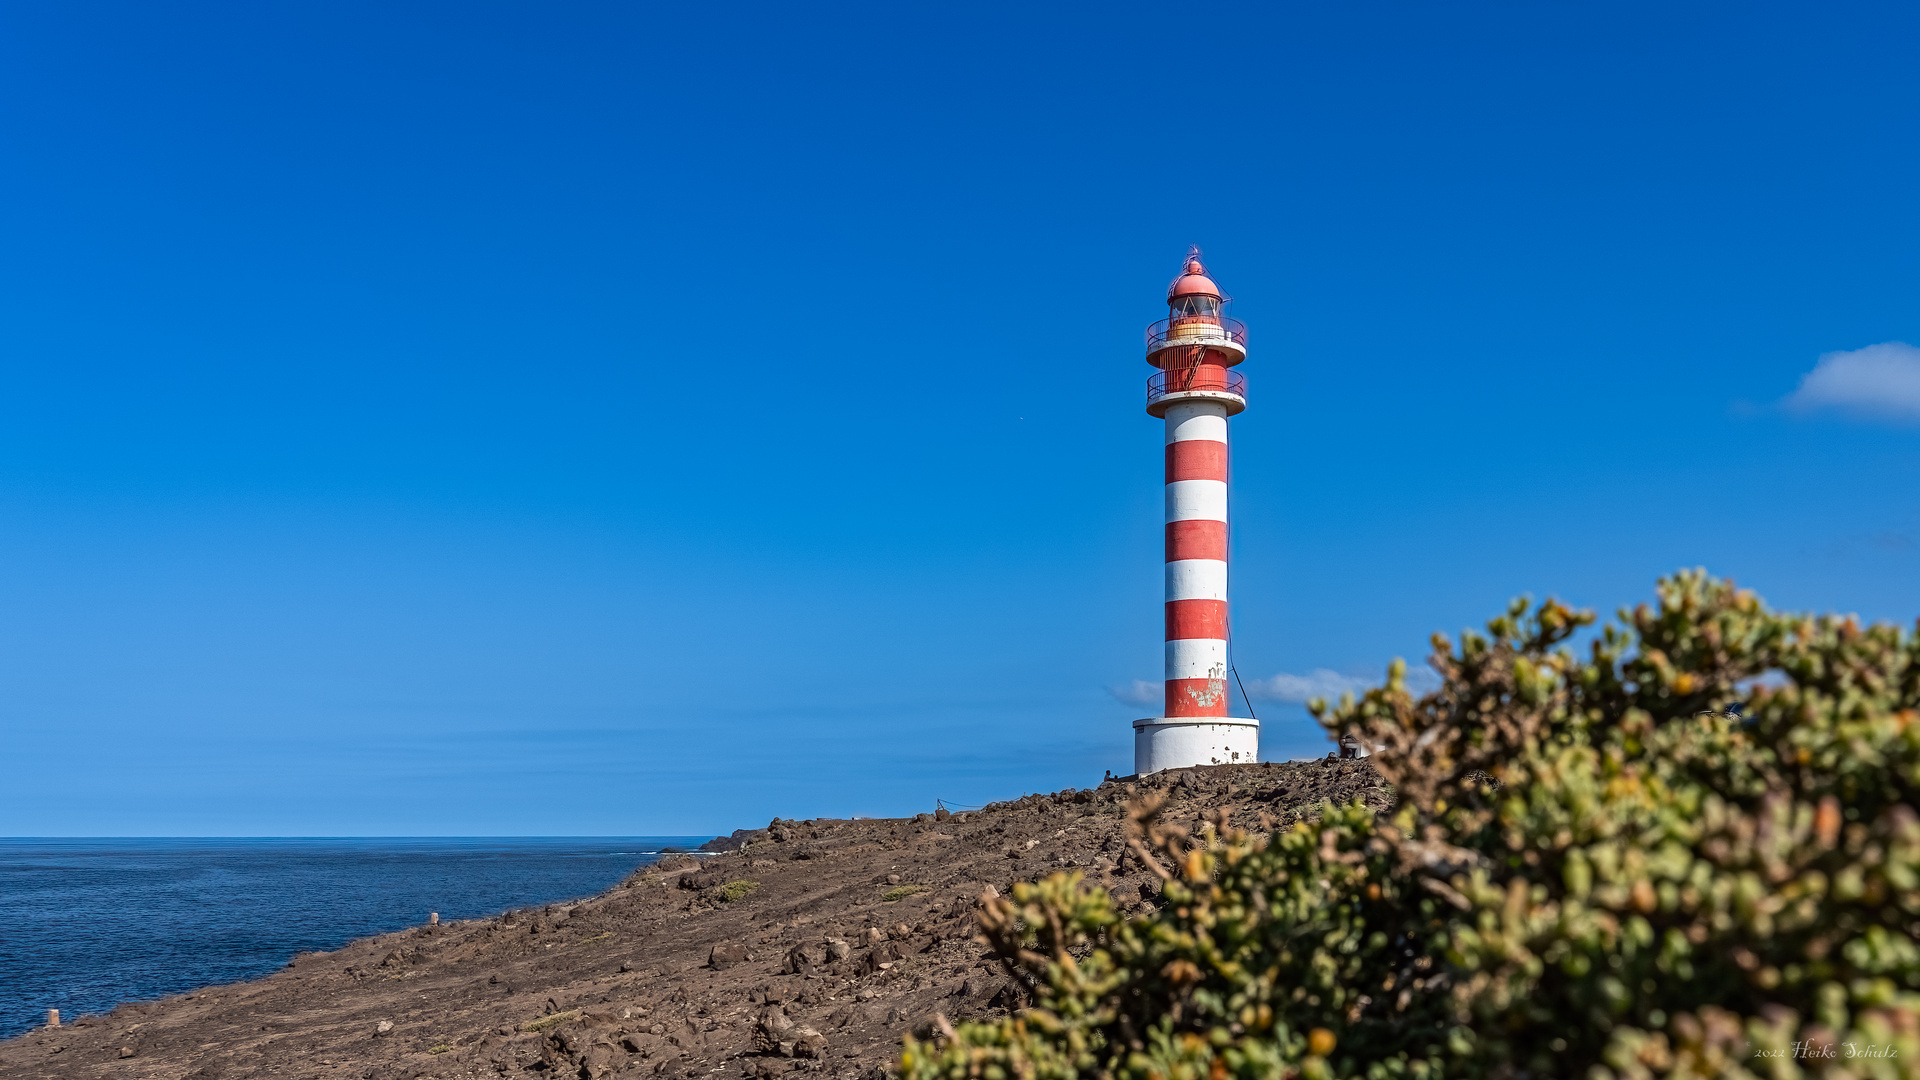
x=1196, y=389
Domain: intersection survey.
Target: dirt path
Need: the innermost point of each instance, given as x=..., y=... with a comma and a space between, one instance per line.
x=849, y=933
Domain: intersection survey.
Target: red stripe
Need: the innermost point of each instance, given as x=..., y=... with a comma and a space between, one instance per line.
x=1196, y=459
x=1196, y=539
x=1180, y=358
x=1196, y=619
x=1196, y=697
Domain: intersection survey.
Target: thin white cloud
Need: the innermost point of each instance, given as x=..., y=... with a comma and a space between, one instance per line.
x=1300, y=689
x=1139, y=692
x=1880, y=381
x=1421, y=679
x=1329, y=684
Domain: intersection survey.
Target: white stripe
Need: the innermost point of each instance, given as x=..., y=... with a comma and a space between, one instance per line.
x=1197, y=420
x=1196, y=658
x=1197, y=500
x=1196, y=579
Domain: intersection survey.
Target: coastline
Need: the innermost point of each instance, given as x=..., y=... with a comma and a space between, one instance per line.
x=102, y=921
x=808, y=948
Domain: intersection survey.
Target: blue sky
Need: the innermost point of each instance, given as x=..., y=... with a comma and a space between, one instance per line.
x=493, y=419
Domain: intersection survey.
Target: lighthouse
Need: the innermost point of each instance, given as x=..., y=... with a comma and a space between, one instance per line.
x=1196, y=348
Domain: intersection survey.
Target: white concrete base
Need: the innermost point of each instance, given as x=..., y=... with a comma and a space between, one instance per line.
x=1176, y=743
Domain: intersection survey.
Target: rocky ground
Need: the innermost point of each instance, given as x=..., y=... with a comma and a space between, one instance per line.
x=809, y=949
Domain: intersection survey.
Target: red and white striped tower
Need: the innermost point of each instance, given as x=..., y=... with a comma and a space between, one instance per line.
x=1196, y=348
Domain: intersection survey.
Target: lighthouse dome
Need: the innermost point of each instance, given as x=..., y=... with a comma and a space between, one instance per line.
x=1193, y=281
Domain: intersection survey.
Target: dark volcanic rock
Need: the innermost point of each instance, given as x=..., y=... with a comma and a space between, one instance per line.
x=724, y=843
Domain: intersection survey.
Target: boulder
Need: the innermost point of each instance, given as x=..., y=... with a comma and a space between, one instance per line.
x=809, y=1043
x=1010, y=996
x=803, y=958
x=883, y=954
x=597, y=1062
x=770, y=1031
x=703, y=879
x=570, y=1043
x=725, y=956
x=556, y=1059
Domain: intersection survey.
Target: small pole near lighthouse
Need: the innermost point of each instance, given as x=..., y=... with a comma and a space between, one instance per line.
x=1196, y=347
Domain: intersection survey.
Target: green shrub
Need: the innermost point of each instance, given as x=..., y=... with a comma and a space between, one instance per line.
x=737, y=890
x=1691, y=854
x=551, y=1020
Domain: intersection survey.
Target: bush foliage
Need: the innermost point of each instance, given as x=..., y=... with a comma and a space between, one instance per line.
x=1692, y=853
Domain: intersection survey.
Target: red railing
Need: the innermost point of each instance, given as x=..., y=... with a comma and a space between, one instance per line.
x=1181, y=380
x=1197, y=329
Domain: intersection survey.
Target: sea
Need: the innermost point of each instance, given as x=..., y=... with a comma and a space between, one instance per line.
x=87, y=924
